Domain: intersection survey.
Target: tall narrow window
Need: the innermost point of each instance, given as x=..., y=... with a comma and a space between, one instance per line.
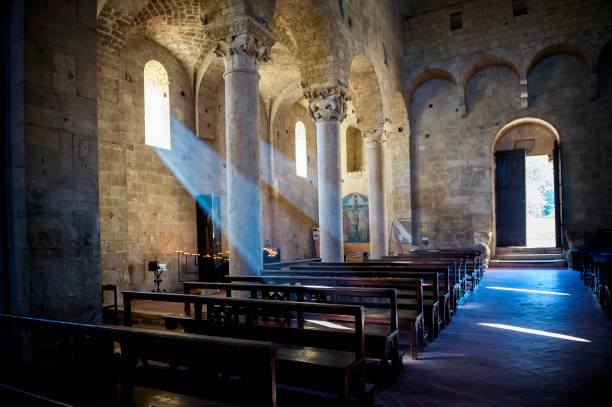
x=301, y=168
x=157, y=105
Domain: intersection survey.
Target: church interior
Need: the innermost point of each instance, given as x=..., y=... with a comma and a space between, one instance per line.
x=298, y=202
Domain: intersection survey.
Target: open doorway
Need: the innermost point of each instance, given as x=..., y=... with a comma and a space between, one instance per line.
x=540, y=201
x=527, y=185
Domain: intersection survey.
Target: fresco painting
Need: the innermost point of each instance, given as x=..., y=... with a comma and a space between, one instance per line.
x=355, y=218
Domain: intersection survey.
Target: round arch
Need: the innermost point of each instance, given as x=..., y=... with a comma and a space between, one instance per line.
x=364, y=89
x=425, y=76
x=559, y=49
x=488, y=61
x=505, y=130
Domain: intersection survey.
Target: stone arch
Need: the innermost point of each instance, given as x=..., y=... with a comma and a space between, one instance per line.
x=469, y=90
x=559, y=49
x=303, y=27
x=365, y=92
x=428, y=75
x=501, y=133
x=487, y=61
x=210, y=104
x=521, y=122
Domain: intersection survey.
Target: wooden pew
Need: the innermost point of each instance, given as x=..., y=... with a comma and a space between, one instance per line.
x=85, y=366
x=601, y=266
x=410, y=296
x=309, y=355
x=445, y=269
x=430, y=275
x=456, y=272
x=474, y=268
x=285, y=264
x=381, y=333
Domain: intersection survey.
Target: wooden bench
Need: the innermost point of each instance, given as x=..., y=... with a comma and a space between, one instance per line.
x=284, y=264
x=310, y=355
x=445, y=270
x=79, y=363
x=410, y=296
x=473, y=263
x=381, y=334
x=455, y=270
x=431, y=287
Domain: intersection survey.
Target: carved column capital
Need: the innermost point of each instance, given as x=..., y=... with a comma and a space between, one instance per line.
x=327, y=104
x=242, y=42
x=375, y=137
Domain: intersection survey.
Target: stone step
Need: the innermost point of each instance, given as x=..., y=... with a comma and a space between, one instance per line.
x=543, y=264
x=534, y=250
x=528, y=256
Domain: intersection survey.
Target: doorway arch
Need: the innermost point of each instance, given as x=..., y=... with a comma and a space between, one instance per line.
x=535, y=138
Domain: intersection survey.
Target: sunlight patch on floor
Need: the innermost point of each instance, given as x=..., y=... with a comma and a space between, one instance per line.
x=534, y=331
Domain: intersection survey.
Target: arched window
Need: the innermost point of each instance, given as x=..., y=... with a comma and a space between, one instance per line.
x=157, y=105
x=301, y=167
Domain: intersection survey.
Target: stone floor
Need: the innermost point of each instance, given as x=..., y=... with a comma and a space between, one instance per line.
x=475, y=365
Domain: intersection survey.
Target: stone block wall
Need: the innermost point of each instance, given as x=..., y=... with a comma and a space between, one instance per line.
x=56, y=270
x=147, y=203
x=290, y=202
x=465, y=85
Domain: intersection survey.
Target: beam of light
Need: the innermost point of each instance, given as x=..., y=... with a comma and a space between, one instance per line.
x=534, y=331
x=526, y=290
x=201, y=171
x=327, y=324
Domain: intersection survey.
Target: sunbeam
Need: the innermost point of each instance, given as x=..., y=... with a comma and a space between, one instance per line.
x=534, y=331
x=527, y=291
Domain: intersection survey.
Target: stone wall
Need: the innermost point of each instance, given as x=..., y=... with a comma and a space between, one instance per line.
x=465, y=85
x=54, y=155
x=147, y=206
x=291, y=200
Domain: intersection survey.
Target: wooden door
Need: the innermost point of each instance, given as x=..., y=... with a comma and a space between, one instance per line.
x=511, y=214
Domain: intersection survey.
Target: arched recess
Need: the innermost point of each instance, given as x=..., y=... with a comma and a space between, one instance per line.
x=425, y=76
x=210, y=104
x=536, y=137
x=487, y=61
x=559, y=49
x=365, y=92
x=604, y=74
x=477, y=85
x=559, y=71
x=432, y=106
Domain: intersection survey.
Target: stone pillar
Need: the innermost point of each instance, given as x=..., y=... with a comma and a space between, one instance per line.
x=327, y=108
x=242, y=45
x=375, y=141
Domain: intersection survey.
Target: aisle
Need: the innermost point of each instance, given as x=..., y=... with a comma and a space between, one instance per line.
x=472, y=364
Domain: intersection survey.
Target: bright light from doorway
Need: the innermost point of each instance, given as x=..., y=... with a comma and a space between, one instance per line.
x=540, y=201
x=534, y=331
x=527, y=291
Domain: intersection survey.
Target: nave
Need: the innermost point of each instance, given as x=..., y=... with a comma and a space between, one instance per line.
x=479, y=365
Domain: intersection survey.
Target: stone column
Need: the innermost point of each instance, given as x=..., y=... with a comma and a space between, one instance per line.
x=375, y=141
x=242, y=45
x=327, y=108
